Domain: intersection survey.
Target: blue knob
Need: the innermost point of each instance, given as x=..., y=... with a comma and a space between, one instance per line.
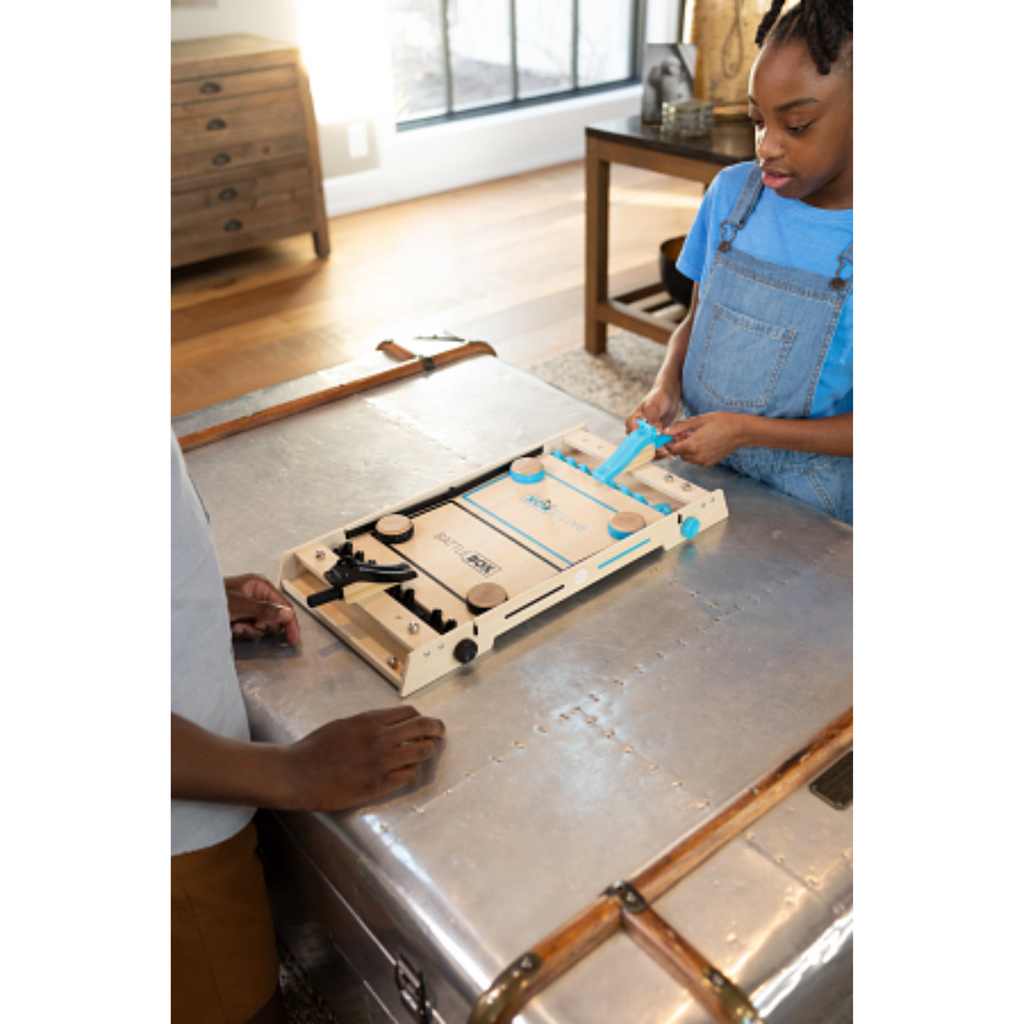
x=691, y=527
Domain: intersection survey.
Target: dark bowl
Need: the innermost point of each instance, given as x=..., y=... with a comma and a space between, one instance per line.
x=677, y=285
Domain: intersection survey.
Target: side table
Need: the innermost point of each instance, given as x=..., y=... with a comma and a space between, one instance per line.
x=629, y=141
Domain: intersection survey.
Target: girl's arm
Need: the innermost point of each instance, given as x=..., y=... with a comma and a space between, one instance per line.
x=705, y=440
x=660, y=405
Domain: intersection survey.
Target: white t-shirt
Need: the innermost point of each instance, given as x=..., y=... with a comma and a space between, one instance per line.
x=204, y=686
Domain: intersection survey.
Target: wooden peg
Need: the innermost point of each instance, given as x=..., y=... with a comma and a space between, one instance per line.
x=627, y=522
x=485, y=596
x=394, y=529
x=527, y=470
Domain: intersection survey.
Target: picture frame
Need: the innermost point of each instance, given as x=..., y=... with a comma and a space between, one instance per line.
x=668, y=76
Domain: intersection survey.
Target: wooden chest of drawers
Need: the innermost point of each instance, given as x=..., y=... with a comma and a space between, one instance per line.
x=245, y=163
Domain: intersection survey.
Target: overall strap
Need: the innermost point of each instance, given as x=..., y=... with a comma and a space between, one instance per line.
x=745, y=203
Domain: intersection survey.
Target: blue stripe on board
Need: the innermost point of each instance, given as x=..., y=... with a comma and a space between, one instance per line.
x=466, y=497
x=624, y=553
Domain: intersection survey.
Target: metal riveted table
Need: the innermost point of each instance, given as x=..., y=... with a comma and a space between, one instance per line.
x=586, y=743
x=628, y=141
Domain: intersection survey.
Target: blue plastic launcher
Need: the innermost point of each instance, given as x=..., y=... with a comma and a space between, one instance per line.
x=630, y=451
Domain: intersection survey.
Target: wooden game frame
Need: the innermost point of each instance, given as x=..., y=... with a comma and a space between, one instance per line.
x=407, y=651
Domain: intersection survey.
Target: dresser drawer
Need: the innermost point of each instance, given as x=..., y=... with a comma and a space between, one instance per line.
x=244, y=154
x=241, y=223
x=236, y=194
x=218, y=87
x=219, y=125
x=216, y=233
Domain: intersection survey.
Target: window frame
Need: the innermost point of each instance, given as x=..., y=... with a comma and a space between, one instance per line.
x=638, y=22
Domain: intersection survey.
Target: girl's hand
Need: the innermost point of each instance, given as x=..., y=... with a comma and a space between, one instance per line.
x=705, y=440
x=659, y=407
x=256, y=608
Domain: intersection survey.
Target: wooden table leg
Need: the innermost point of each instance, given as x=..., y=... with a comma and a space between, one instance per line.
x=595, y=336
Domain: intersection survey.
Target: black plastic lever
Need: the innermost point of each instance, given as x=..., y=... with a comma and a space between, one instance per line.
x=351, y=569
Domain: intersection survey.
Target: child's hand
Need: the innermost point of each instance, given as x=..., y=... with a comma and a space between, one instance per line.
x=256, y=608
x=659, y=407
x=352, y=760
x=705, y=440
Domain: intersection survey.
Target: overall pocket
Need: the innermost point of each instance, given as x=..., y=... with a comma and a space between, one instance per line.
x=742, y=358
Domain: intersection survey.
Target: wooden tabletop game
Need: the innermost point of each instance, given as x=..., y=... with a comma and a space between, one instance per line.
x=425, y=588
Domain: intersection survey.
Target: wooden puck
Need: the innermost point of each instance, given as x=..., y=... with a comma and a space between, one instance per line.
x=394, y=529
x=624, y=523
x=528, y=470
x=485, y=596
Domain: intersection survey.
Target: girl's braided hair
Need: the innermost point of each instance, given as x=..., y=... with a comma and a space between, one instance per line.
x=826, y=25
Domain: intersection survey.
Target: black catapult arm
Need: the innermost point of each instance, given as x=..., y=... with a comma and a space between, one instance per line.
x=351, y=569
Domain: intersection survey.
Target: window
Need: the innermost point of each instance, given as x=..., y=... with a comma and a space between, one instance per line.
x=458, y=58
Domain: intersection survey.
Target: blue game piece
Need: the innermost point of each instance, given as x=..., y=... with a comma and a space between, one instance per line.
x=558, y=455
x=526, y=478
x=625, y=524
x=663, y=507
x=634, y=444
x=527, y=471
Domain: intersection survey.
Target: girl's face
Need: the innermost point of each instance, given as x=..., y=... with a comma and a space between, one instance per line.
x=803, y=124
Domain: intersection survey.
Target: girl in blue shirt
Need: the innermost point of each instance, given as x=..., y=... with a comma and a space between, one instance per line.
x=763, y=362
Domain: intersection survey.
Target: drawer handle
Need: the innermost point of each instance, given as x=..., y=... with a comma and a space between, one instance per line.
x=221, y=158
x=209, y=87
x=215, y=125
x=233, y=225
x=228, y=193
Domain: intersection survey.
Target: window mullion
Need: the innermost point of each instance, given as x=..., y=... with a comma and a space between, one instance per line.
x=449, y=92
x=575, y=45
x=514, y=41
x=639, y=33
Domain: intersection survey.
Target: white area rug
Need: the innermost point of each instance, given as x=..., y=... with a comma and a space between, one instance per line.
x=616, y=380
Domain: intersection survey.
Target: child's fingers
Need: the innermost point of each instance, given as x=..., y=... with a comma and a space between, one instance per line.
x=634, y=420
x=681, y=428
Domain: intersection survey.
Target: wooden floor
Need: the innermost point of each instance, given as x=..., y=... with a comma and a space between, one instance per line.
x=500, y=262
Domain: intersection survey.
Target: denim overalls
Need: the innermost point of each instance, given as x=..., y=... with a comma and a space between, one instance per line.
x=758, y=346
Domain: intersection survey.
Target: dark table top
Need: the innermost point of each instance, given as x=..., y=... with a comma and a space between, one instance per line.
x=729, y=142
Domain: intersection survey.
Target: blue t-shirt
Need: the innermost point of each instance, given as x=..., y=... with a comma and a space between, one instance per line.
x=791, y=233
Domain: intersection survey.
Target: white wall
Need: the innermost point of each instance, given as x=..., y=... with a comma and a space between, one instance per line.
x=275, y=19
x=346, y=49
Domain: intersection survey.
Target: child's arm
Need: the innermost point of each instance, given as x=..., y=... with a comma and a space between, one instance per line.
x=660, y=405
x=343, y=763
x=705, y=440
